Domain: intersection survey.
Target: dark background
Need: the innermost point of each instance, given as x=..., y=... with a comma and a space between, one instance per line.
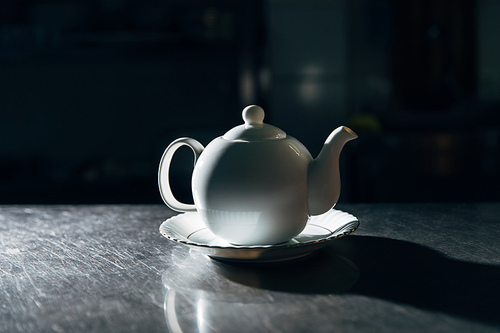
x=91, y=92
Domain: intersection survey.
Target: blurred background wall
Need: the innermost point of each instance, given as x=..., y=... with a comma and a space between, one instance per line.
x=91, y=92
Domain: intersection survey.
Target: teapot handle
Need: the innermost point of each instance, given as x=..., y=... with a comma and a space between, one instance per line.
x=164, y=171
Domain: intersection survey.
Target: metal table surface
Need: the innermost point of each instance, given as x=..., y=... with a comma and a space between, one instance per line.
x=408, y=268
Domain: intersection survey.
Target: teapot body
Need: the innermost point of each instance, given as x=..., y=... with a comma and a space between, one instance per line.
x=252, y=193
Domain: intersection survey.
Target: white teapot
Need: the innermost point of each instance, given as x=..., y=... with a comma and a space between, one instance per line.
x=255, y=185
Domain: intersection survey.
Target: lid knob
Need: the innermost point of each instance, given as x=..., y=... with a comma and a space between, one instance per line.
x=253, y=115
x=254, y=128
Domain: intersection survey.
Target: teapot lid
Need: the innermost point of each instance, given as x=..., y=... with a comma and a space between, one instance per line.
x=254, y=128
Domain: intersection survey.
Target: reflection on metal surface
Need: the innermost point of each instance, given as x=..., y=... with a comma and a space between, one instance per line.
x=201, y=314
x=204, y=295
x=170, y=315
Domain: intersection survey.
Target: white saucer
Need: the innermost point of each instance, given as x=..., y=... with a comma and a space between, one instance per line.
x=189, y=229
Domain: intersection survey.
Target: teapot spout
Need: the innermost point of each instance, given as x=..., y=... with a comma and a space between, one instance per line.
x=323, y=177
